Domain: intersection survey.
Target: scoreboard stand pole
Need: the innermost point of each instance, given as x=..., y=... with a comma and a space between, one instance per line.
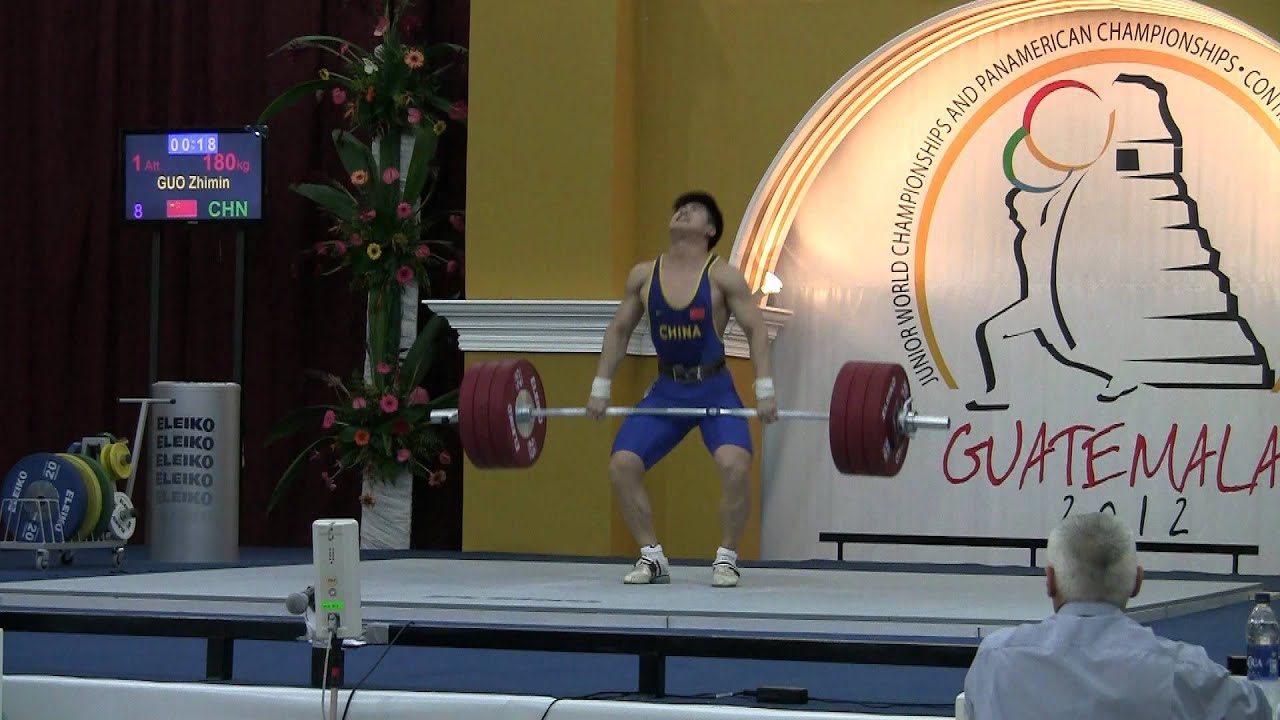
x=154, y=360
x=237, y=320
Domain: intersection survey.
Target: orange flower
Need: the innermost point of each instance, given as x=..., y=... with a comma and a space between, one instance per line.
x=368, y=96
x=359, y=177
x=414, y=59
x=362, y=437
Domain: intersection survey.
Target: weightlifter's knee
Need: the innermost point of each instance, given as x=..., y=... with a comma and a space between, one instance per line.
x=733, y=463
x=626, y=469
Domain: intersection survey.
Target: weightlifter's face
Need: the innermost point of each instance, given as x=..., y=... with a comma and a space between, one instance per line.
x=692, y=218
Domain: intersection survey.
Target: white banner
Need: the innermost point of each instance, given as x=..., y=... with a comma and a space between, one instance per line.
x=1066, y=231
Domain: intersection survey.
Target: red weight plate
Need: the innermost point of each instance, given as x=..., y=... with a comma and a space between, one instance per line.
x=521, y=440
x=899, y=441
x=883, y=446
x=872, y=436
x=856, y=397
x=490, y=411
x=476, y=376
x=839, y=418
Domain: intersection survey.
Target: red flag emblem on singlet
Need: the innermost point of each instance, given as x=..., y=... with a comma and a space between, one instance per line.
x=697, y=313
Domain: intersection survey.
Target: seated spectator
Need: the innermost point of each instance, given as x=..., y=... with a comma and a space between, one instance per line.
x=1089, y=659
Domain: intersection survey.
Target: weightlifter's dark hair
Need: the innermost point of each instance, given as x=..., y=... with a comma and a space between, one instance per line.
x=708, y=202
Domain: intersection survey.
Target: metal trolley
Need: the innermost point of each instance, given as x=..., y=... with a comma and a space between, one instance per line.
x=32, y=523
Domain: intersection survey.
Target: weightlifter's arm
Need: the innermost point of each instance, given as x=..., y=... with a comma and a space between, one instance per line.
x=737, y=296
x=616, y=338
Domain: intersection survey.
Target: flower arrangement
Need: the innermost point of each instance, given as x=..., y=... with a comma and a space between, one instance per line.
x=380, y=233
x=389, y=89
x=385, y=230
x=378, y=426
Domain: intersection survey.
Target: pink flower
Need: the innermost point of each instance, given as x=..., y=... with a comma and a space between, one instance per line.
x=339, y=96
x=328, y=481
x=458, y=110
x=319, y=248
x=358, y=403
x=445, y=458
x=390, y=175
x=451, y=266
x=422, y=251
x=340, y=248
x=356, y=240
x=415, y=116
x=368, y=214
x=330, y=417
x=384, y=24
x=457, y=222
x=404, y=274
x=404, y=455
x=419, y=396
x=383, y=368
x=389, y=403
x=404, y=210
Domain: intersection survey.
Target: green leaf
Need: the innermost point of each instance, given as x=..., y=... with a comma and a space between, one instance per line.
x=424, y=149
x=388, y=157
x=303, y=89
x=331, y=199
x=295, y=420
x=355, y=155
x=447, y=400
x=323, y=42
x=384, y=324
x=286, y=480
x=418, y=360
x=442, y=49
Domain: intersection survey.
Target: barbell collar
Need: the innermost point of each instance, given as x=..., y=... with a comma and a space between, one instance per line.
x=913, y=422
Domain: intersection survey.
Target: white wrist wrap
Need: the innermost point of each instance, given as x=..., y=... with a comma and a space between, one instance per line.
x=764, y=388
x=600, y=387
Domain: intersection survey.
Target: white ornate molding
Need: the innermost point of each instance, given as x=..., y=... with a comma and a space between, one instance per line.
x=563, y=326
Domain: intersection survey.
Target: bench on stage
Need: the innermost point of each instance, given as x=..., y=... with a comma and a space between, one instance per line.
x=1032, y=544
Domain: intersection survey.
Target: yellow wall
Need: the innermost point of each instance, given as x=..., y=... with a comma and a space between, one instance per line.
x=587, y=118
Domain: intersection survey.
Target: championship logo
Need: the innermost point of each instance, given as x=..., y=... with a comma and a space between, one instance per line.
x=1062, y=224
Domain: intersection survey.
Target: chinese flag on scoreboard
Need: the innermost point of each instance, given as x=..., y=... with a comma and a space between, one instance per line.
x=180, y=208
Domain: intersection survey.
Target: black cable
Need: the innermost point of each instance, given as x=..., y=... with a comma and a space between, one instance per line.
x=882, y=704
x=375, y=667
x=549, y=706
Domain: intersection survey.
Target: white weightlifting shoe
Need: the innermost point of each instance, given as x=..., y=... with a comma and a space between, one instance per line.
x=724, y=574
x=647, y=572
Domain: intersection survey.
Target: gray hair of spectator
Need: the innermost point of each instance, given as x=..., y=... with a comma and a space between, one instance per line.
x=1094, y=559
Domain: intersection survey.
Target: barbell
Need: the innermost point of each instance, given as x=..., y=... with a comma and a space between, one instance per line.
x=502, y=416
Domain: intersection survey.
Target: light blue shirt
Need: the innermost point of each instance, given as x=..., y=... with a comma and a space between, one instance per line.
x=1091, y=661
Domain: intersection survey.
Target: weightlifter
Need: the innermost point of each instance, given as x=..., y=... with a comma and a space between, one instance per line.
x=688, y=295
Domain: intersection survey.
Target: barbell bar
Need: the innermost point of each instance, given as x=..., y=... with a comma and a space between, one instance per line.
x=502, y=414
x=911, y=420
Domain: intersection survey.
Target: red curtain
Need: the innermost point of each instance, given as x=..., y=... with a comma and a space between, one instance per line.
x=75, y=301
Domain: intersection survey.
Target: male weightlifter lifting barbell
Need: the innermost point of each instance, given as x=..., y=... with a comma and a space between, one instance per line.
x=688, y=295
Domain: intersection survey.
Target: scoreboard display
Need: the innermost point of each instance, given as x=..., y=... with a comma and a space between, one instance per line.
x=185, y=175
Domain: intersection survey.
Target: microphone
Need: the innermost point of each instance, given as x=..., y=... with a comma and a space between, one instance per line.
x=298, y=603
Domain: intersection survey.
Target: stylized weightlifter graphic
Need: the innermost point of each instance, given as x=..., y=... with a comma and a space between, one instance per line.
x=1119, y=225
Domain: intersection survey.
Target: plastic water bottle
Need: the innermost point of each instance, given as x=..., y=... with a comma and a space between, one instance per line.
x=1262, y=640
